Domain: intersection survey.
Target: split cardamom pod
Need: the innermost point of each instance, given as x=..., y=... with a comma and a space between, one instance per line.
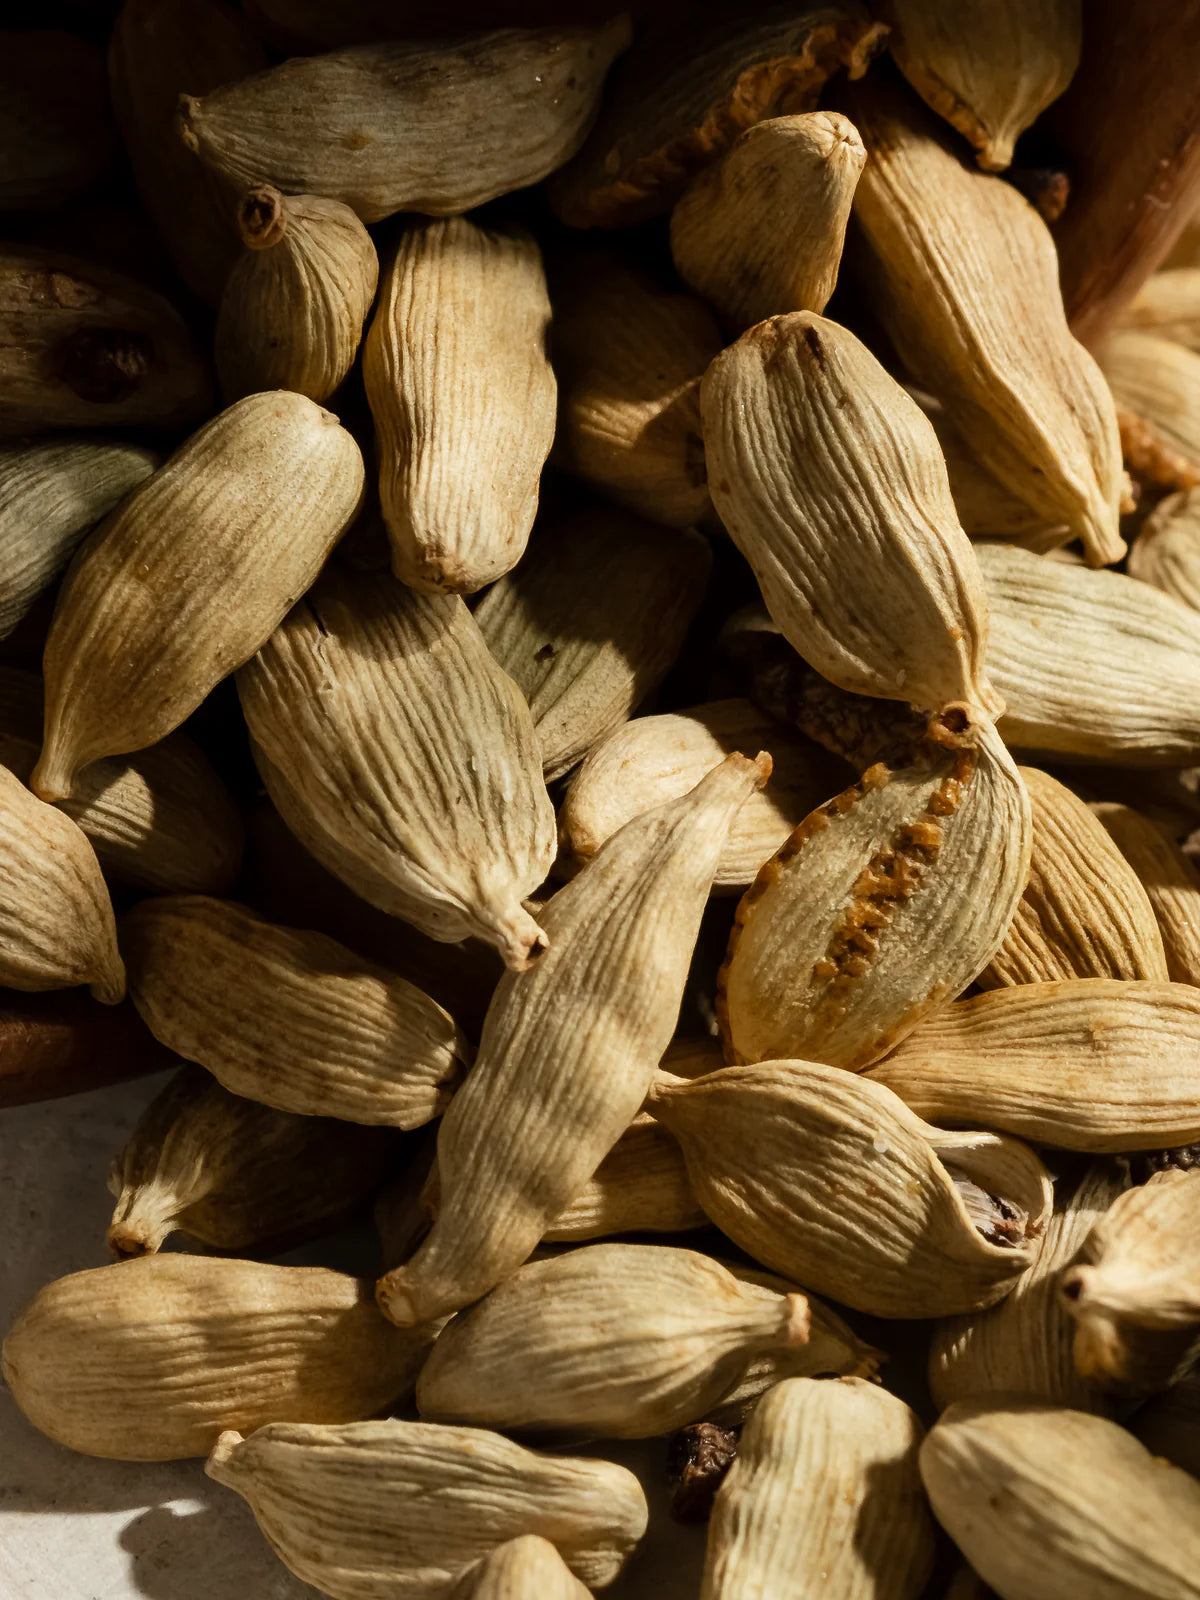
x=517, y=1569
x=1156, y=386
x=1168, y=306
x=1166, y=552
x=1170, y=880
x=56, y=136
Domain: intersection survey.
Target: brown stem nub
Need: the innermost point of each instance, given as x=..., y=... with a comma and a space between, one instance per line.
x=262, y=220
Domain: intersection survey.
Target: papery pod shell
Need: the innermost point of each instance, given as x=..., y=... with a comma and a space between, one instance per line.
x=581, y=1034
x=793, y=1160
x=1084, y=913
x=293, y=307
x=864, y=922
x=403, y=1508
x=1168, y=306
x=1156, y=386
x=189, y=577
x=1049, y=1504
x=653, y=759
x=591, y=622
x=1170, y=880
x=82, y=346
x=1098, y=1064
x=237, y=1175
x=56, y=136
x=51, y=493
x=629, y=357
x=831, y=483
x=1091, y=663
x=641, y=1186
x=151, y=1360
x=761, y=231
x=1166, y=552
x=463, y=396
x=680, y=99
x=1134, y=1293
x=518, y=1570
x=404, y=758
x=1169, y=1424
x=158, y=50
x=1024, y=1345
x=288, y=1017
x=56, y=920
x=963, y=275
x=847, y=1451
x=989, y=69
x=439, y=127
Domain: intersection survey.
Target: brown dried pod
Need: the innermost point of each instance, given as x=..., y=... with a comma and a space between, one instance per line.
x=65, y=1041
x=1169, y=879
x=56, y=135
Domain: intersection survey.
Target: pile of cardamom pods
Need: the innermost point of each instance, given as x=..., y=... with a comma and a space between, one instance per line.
x=673, y=776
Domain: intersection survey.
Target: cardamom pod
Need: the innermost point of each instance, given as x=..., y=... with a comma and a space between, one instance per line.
x=963, y=275
x=1096, y=1064
x=402, y=1509
x=411, y=125
x=864, y=922
x=517, y=1569
x=65, y=1042
x=1169, y=1424
x=293, y=307
x=190, y=576
x=761, y=231
x=823, y=1176
x=1168, y=306
x=289, y=1018
x=1170, y=880
x=1049, y=1504
x=404, y=758
x=581, y=1033
x=821, y=466
x=151, y=1360
x=237, y=1175
x=463, y=395
x=56, y=136
x=1156, y=385
x=641, y=1186
x=1166, y=552
x=591, y=622
x=629, y=356
x=847, y=1451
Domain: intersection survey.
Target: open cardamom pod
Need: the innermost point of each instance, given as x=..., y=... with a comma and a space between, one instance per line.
x=1170, y=880
x=189, y=577
x=517, y=1569
x=823, y=1176
x=56, y=136
x=581, y=1033
x=1156, y=386
x=1169, y=1424
x=463, y=396
x=1166, y=552
x=1168, y=306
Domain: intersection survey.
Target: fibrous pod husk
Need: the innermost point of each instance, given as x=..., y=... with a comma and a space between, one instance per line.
x=641, y=1186
x=1091, y=663
x=463, y=396
x=653, y=759
x=963, y=275
x=1168, y=306
x=51, y=493
x=82, y=346
x=403, y=1508
x=1169, y=1424
x=677, y=104
x=1051, y=1504
x=1170, y=880
x=591, y=621
x=1084, y=912
x=237, y=1175
x=629, y=357
x=407, y=125
x=1156, y=386
x=830, y=481
x=288, y=1017
x=1134, y=1292
x=761, y=231
x=293, y=307
x=884, y=903
x=822, y=1175
x=1024, y=1345
x=190, y=576
x=519, y=1569
x=56, y=135
x=404, y=758
x=1097, y=1064
x=989, y=69
x=570, y=1047
x=151, y=1360
x=1166, y=552
x=56, y=920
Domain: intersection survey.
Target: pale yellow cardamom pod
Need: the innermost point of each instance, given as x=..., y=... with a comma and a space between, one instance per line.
x=846, y=1451
x=399, y=1510
x=884, y=903
x=1170, y=880
x=151, y=1360
x=289, y=1018
x=822, y=1175
x=1166, y=552
x=520, y=1569
x=1156, y=384
x=641, y=1186
x=761, y=231
x=463, y=395
x=1051, y=1504
x=1169, y=1424
x=1168, y=306
x=569, y=1048
x=1097, y=1064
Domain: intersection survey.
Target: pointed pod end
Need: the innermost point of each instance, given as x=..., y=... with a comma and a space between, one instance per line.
x=127, y=1240
x=186, y=108
x=219, y=1465
x=262, y=217
x=515, y=933
x=54, y=776
x=1074, y=1288
x=395, y=1298
x=109, y=985
x=797, y=1327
